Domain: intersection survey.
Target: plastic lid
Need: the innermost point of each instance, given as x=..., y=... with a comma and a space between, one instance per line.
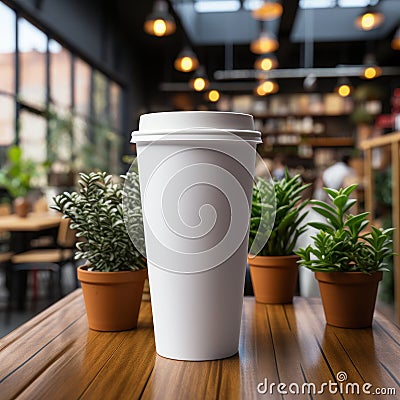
x=203, y=123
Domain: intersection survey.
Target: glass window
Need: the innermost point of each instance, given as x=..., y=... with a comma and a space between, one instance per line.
x=32, y=45
x=60, y=74
x=33, y=136
x=356, y=3
x=60, y=140
x=7, y=126
x=101, y=153
x=208, y=6
x=91, y=154
x=7, y=49
x=100, y=96
x=317, y=3
x=81, y=143
x=82, y=87
x=114, y=157
x=115, y=105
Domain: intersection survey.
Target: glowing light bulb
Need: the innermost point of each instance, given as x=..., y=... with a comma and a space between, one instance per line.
x=266, y=64
x=199, y=84
x=370, y=73
x=213, y=95
x=344, y=90
x=159, y=27
x=268, y=86
x=367, y=21
x=186, y=64
x=260, y=90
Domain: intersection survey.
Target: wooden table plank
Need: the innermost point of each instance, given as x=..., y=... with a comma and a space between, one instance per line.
x=25, y=344
x=27, y=353
x=287, y=352
x=314, y=366
x=56, y=356
x=368, y=363
x=137, y=354
x=354, y=351
x=57, y=307
x=331, y=348
x=256, y=350
x=231, y=381
x=182, y=380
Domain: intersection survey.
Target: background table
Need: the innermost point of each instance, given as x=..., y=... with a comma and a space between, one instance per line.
x=56, y=356
x=32, y=223
x=22, y=231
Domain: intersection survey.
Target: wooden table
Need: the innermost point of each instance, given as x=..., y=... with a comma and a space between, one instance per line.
x=56, y=356
x=23, y=230
x=34, y=222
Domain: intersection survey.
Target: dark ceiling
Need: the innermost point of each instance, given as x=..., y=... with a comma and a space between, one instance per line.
x=156, y=55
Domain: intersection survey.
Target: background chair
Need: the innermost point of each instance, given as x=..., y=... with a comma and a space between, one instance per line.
x=5, y=255
x=5, y=209
x=5, y=265
x=47, y=238
x=51, y=260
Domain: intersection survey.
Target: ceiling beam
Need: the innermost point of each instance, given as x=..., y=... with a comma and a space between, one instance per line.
x=245, y=78
x=353, y=70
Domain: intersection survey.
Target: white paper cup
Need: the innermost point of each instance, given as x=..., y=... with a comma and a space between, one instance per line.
x=196, y=175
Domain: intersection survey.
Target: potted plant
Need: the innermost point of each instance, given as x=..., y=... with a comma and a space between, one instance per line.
x=274, y=270
x=16, y=177
x=347, y=261
x=113, y=277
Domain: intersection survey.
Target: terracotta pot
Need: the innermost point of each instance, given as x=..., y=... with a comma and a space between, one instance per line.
x=21, y=206
x=274, y=278
x=112, y=299
x=348, y=297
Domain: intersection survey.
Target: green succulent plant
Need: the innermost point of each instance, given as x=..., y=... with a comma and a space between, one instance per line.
x=97, y=216
x=341, y=243
x=289, y=214
x=16, y=176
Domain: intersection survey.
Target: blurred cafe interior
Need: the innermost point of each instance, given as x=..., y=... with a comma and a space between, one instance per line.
x=320, y=77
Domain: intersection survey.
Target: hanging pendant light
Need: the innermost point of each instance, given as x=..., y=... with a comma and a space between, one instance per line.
x=199, y=82
x=370, y=19
x=265, y=43
x=266, y=62
x=160, y=22
x=396, y=40
x=268, y=11
x=371, y=70
x=343, y=87
x=186, y=60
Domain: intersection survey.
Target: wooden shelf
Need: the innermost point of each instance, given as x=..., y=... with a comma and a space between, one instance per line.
x=290, y=133
x=306, y=114
x=329, y=141
x=320, y=142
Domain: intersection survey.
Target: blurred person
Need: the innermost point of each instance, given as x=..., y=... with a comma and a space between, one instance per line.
x=337, y=174
x=279, y=167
